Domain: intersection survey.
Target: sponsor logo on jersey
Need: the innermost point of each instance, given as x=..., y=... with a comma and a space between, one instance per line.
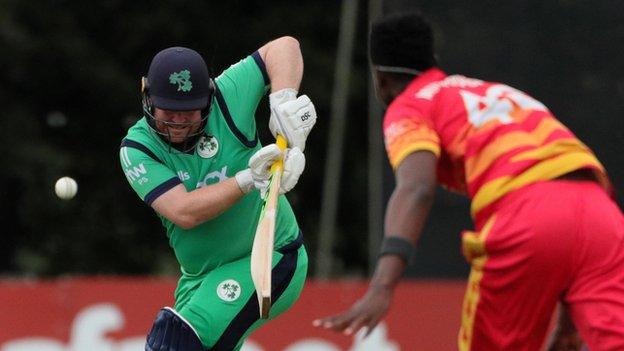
x=133, y=173
x=183, y=175
x=182, y=79
x=229, y=290
x=207, y=146
x=218, y=175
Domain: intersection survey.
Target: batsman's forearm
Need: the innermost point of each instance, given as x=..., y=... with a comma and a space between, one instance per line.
x=208, y=202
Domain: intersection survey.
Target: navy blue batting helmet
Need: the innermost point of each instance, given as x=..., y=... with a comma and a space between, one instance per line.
x=178, y=80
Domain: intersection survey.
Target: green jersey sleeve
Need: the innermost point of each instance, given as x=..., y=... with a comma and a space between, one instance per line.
x=242, y=86
x=147, y=175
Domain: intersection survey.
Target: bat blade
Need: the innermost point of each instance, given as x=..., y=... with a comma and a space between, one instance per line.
x=261, y=259
x=262, y=250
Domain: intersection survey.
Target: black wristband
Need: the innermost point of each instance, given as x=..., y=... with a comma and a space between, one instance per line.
x=395, y=245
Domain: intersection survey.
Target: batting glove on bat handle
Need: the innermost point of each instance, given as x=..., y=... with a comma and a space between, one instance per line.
x=294, y=164
x=259, y=172
x=291, y=117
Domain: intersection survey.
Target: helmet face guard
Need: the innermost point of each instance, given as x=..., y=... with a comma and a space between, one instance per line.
x=177, y=80
x=162, y=128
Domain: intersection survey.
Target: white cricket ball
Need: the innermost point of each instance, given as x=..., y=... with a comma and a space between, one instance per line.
x=66, y=188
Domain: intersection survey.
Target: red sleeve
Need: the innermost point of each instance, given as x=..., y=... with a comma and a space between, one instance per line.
x=408, y=128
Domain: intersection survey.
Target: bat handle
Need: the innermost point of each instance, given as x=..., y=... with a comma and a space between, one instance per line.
x=279, y=164
x=281, y=142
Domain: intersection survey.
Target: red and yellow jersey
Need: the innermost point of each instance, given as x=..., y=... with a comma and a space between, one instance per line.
x=490, y=139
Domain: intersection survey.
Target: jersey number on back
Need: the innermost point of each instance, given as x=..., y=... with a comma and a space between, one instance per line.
x=498, y=103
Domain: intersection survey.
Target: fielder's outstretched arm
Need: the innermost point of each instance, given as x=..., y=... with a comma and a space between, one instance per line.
x=407, y=211
x=406, y=214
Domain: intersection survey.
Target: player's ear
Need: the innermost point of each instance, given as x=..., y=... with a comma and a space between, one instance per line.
x=383, y=85
x=148, y=108
x=380, y=78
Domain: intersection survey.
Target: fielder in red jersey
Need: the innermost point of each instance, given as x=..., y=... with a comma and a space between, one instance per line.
x=546, y=230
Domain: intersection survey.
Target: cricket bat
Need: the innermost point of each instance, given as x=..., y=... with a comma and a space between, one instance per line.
x=262, y=250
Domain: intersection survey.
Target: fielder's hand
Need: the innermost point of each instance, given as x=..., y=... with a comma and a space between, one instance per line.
x=291, y=117
x=365, y=313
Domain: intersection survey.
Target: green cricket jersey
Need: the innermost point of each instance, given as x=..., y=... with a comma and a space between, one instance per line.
x=229, y=140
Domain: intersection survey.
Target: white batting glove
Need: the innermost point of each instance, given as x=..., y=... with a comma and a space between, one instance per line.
x=258, y=174
x=291, y=117
x=294, y=163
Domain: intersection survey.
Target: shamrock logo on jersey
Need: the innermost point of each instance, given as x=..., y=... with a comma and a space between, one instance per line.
x=207, y=146
x=182, y=79
x=229, y=290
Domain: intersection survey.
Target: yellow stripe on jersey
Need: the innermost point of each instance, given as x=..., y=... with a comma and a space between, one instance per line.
x=406, y=136
x=473, y=247
x=545, y=170
x=477, y=164
x=396, y=159
x=549, y=150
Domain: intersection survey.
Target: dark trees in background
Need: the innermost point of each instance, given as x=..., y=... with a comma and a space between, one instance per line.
x=69, y=89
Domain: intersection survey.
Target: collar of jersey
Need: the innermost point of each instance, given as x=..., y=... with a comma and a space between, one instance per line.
x=431, y=75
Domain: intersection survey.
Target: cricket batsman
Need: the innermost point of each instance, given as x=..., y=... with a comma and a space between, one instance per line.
x=196, y=160
x=547, y=230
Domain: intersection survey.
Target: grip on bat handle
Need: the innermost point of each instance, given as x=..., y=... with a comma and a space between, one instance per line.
x=281, y=143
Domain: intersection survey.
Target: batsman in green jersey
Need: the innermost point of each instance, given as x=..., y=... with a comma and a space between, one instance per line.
x=196, y=160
